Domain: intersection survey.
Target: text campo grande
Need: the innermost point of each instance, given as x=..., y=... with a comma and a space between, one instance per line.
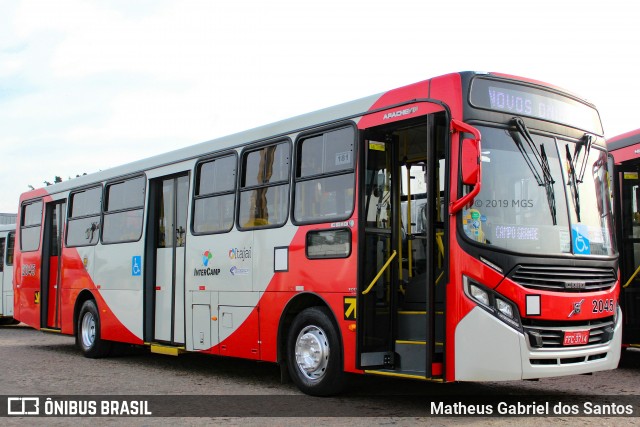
x=518, y=408
x=92, y=407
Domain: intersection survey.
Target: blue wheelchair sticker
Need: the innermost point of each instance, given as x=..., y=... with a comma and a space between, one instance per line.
x=136, y=265
x=581, y=244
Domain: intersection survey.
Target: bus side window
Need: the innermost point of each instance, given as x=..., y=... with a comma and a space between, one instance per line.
x=10, y=245
x=83, y=228
x=30, y=226
x=264, y=187
x=2, y=241
x=324, y=178
x=215, y=195
x=123, y=211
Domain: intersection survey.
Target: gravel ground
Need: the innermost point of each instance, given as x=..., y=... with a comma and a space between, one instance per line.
x=34, y=363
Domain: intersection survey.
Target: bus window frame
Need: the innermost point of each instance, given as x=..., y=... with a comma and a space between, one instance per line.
x=39, y=225
x=240, y=189
x=10, y=235
x=98, y=214
x=3, y=246
x=307, y=244
x=353, y=170
x=105, y=212
x=195, y=196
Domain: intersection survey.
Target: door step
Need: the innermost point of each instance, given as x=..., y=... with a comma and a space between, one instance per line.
x=412, y=326
x=166, y=349
x=412, y=356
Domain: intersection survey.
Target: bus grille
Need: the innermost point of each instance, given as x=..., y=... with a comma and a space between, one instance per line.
x=565, y=279
x=550, y=334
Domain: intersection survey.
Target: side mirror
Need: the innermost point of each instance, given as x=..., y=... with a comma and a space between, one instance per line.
x=470, y=162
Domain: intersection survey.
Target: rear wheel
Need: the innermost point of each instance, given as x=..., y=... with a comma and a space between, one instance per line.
x=88, y=332
x=314, y=356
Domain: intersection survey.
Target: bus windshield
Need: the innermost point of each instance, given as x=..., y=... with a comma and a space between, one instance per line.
x=518, y=211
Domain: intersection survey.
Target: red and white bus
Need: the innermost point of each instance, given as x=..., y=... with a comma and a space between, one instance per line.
x=378, y=236
x=7, y=239
x=625, y=150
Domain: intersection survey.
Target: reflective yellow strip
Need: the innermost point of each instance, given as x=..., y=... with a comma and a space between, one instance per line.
x=393, y=374
x=417, y=342
x=418, y=312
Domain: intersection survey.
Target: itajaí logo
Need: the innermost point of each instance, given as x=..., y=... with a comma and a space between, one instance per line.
x=206, y=257
x=240, y=254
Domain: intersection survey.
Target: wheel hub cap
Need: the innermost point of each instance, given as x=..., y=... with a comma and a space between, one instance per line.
x=88, y=330
x=312, y=352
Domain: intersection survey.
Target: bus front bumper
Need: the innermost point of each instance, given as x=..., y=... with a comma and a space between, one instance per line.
x=488, y=350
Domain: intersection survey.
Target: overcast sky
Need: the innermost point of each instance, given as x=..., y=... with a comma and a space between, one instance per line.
x=88, y=85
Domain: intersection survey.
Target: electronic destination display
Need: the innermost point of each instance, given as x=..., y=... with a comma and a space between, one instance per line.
x=521, y=100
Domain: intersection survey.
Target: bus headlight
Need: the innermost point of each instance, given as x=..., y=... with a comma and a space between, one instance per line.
x=504, y=307
x=479, y=295
x=493, y=302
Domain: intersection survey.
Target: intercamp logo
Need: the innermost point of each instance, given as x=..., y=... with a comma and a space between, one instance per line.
x=206, y=257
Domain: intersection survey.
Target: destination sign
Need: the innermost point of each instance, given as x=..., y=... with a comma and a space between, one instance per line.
x=521, y=100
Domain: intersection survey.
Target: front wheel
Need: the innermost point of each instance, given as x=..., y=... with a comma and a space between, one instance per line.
x=314, y=356
x=88, y=333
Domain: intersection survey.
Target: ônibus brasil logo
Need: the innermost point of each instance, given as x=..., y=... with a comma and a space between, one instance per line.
x=207, y=271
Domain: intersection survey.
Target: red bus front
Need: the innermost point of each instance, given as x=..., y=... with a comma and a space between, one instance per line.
x=534, y=254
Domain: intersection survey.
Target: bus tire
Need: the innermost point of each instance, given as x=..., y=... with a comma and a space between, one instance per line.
x=314, y=356
x=88, y=336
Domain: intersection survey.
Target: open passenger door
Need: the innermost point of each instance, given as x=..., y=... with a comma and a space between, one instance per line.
x=628, y=179
x=401, y=287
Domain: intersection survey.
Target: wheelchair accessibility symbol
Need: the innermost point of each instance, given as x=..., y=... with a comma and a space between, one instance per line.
x=581, y=244
x=136, y=265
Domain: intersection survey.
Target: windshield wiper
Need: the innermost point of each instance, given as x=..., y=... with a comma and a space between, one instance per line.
x=540, y=168
x=573, y=182
x=577, y=178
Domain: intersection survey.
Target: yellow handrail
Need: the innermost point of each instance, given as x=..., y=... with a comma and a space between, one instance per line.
x=384, y=267
x=632, y=277
x=409, y=241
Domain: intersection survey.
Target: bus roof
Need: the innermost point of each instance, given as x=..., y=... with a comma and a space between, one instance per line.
x=7, y=227
x=624, y=140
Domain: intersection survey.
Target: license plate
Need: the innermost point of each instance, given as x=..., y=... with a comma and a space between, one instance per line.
x=576, y=338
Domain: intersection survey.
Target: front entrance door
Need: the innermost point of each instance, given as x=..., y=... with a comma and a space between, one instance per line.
x=2, y=284
x=50, y=295
x=379, y=290
x=170, y=212
x=400, y=294
x=629, y=180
